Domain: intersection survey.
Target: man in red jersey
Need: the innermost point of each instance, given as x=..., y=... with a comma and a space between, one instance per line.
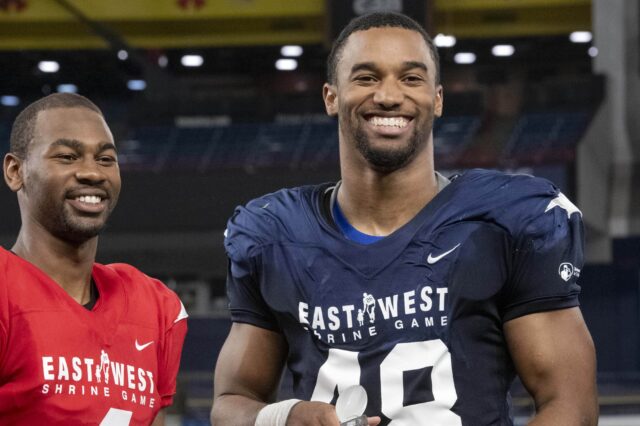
x=80, y=342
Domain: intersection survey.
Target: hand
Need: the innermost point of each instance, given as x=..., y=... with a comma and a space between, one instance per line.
x=311, y=413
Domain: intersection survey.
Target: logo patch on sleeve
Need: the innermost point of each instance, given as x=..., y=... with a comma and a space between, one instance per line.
x=567, y=270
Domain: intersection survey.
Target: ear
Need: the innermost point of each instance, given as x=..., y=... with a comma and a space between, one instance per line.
x=439, y=101
x=12, y=168
x=330, y=97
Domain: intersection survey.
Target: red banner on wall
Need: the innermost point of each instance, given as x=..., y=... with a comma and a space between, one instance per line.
x=13, y=5
x=191, y=4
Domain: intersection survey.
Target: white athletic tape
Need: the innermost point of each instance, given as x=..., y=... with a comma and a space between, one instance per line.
x=275, y=414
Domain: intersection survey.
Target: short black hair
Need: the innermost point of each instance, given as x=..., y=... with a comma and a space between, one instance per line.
x=25, y=123
x=377, y=20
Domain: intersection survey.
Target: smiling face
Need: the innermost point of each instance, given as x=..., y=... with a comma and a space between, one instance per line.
x=70, y=180
x=385, y=96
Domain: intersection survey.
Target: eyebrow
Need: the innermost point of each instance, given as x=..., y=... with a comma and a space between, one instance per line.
x=79, y=146
x=414, y=64
x=371, y=66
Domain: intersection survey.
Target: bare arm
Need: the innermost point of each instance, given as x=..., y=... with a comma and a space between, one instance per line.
x=247, y=374
x=555, y=359
x=159, y=420
x=247, y=377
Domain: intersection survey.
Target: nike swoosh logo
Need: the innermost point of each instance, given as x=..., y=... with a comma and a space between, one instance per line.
x=433, y=259
x=141, y=347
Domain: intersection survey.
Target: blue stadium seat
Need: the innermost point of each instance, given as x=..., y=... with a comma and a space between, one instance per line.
x=319, y=148
x=233, y=146
x=192, y=148
x=547, y=136
x=146, y=148
x=453, y=134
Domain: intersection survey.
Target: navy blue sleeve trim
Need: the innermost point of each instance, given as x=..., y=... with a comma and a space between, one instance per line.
x=248, y=317
x=540, y=305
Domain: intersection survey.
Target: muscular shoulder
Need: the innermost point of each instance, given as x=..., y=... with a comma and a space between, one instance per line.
x=278, y=216
x=4, y=296
x=16, y=281
x=7, y=261
x=497, y=188
x=145, y=292
x=524, y=205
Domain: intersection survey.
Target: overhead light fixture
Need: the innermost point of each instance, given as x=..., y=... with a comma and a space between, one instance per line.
x=48, y=66
x=67, y=88
x=192, y=60
x=464, y=58
x=291, y=51
x=503, y=50
x=444, y=40
x=9, y=100
x=163, y=61
x=136, y=85
x=123, y=54
x=593, y=51
x=580, y=36
x=286, y=64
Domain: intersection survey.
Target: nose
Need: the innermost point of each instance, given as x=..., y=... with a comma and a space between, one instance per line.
x=90, y=172
x=388, y=94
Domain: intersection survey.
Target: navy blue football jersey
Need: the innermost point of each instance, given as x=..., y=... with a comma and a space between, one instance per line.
x=417, y=317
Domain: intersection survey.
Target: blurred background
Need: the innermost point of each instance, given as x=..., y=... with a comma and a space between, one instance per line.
x=213, y=102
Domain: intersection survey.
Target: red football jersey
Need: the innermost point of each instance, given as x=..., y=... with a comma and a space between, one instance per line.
x=61, y=363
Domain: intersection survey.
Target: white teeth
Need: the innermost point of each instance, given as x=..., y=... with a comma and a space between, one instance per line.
x=89, y=199
x=389, y=121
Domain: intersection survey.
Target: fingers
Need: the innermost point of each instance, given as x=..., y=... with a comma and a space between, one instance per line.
x=374, y=421
x=309, y=413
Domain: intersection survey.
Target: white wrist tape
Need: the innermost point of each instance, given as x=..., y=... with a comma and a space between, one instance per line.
x=275, y=414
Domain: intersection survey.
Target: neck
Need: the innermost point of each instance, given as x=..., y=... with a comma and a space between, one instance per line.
x=378, y=203
x=68, y=264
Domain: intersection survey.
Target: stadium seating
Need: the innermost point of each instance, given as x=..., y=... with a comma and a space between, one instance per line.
x=311, y=143
x=546, y=137
x=147, y=148
x=452, y=137
x=306, y=144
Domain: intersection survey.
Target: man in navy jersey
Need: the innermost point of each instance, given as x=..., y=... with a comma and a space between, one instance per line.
x=430, y=294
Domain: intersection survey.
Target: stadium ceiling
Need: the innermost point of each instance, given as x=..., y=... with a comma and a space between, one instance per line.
x=152, y=24
x=101, y=46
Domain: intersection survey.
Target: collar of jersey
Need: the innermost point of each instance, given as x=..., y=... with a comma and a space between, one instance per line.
x=348, y=230
x=370, y=259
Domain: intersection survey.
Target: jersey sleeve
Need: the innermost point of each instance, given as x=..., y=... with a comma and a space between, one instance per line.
x=244, y=239
x=171, y=350
x=547, y=259
x=4, y=307
x=3, y=339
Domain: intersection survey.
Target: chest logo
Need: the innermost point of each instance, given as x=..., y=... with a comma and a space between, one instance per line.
x=140, y=347
x=433, y=259
x=368, y=308
x=102, y=370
